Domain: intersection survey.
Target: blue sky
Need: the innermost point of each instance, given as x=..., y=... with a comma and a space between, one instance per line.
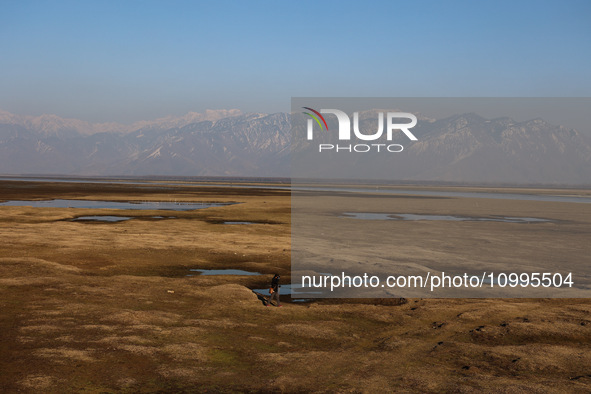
x=130, y=60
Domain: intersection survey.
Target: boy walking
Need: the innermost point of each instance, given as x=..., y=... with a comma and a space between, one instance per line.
x=274, y=290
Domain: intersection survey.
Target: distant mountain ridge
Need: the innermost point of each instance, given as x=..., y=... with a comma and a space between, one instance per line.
x=55, y=125
x=250, y=144
x=470, y=148
x=460, y=148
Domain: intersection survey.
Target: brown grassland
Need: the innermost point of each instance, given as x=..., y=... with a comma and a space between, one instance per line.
x=107, y=307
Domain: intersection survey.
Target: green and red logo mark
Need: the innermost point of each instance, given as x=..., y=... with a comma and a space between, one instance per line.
x=316, y=117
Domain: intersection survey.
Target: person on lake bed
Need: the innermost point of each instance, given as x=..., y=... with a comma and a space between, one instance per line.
x=274, y=290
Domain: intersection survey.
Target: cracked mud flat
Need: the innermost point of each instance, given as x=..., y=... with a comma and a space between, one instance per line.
x=88, y=307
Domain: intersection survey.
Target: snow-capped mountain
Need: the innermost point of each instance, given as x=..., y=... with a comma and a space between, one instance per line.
x=251, y=144
x=54, y=125
x=460, y=148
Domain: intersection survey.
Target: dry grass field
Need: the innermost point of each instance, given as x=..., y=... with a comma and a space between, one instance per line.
x=107, y=307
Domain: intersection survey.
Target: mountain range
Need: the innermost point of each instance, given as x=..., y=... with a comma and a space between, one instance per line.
x=460, y=148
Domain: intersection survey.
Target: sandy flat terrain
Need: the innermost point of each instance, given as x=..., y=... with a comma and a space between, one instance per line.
x=107, y=307
x=474, y=235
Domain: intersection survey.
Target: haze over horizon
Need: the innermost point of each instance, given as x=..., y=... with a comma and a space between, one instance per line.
x=127, y=61
x=460, y=148
x=148, y=87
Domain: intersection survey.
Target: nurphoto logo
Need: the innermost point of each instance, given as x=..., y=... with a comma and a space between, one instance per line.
x=344, y=130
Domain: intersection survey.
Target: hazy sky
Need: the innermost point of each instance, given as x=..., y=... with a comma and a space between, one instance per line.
x=131, y=60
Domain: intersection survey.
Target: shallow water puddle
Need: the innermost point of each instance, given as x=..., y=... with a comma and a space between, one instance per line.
x=225, y=272
x=102, y=218
x=414, y=217
x=288, y=289
x=112, y=219
x=97, y=204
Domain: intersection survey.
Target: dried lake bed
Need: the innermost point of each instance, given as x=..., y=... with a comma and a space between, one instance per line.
x=107, y=306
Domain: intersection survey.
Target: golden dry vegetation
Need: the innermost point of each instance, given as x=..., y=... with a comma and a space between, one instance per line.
x=107, y=307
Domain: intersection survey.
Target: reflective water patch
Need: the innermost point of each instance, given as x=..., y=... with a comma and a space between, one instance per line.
x=97, y=204
x=224, y=272
x=102, y=218
x=414, y=217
